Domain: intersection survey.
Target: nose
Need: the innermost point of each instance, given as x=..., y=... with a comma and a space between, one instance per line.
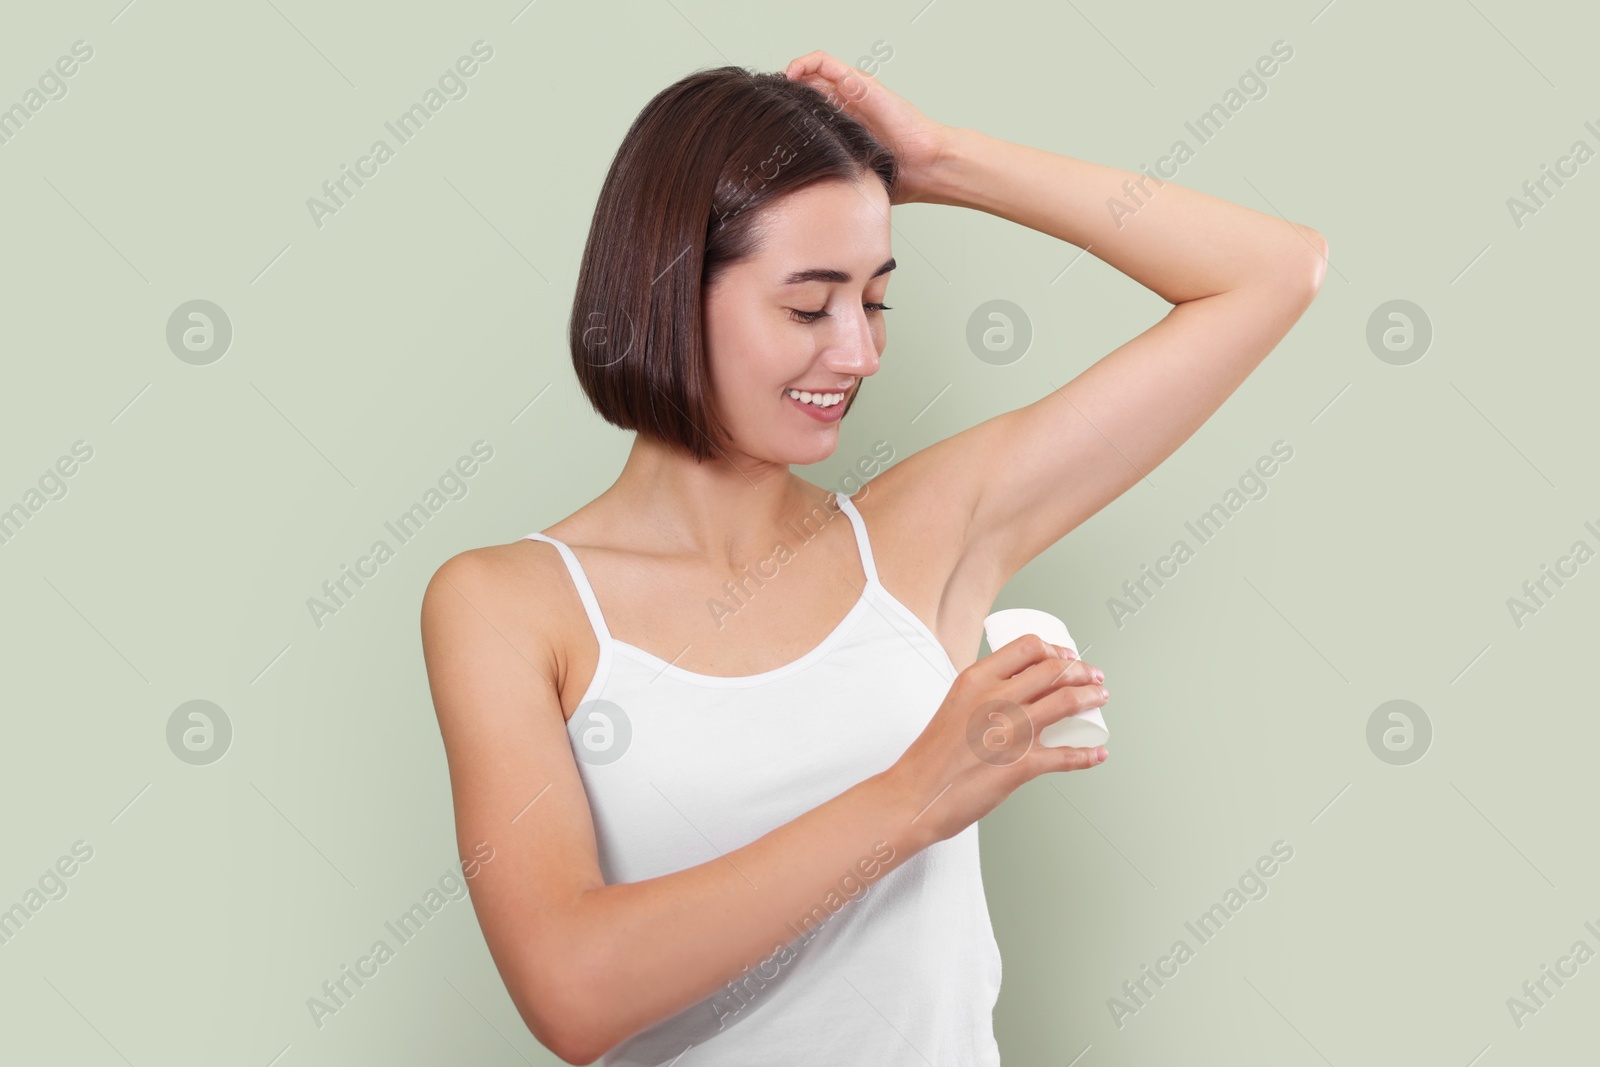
x=855, y=350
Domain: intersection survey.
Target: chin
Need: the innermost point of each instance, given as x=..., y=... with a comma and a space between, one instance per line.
x=801, y=455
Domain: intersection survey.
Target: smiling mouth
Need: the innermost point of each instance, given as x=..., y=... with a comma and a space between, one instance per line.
x=817, y=400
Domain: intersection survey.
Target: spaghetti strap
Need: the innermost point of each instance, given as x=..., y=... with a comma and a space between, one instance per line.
x=862, y=543
x=585, y=591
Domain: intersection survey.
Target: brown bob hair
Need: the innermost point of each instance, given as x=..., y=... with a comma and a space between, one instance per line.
x=700, y=161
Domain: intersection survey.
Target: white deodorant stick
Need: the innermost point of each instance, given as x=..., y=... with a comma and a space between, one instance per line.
x=1086, y=729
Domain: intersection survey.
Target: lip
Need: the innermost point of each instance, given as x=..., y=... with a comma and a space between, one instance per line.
x=833, y=414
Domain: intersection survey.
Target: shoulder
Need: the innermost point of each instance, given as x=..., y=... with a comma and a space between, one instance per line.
x=494, y=572
x=500, y=604
x=921, y=532
x=910, y=509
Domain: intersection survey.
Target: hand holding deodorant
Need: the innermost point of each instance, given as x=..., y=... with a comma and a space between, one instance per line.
x=1086, y=729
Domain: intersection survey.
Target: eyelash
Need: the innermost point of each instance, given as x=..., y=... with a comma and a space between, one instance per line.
x=813, y=316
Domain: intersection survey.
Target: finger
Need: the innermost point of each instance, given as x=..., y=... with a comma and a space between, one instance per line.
x=795, y=63
x=1070, y=759
x=1065, y=700
x=807, y=67
x=822, y=64
x=1016, y=656
x=830, y=75
x=1046, y=676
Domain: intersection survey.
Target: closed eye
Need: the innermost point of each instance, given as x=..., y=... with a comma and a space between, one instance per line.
x=812, y=316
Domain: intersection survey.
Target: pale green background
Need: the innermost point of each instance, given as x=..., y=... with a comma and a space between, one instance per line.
x=429, y=313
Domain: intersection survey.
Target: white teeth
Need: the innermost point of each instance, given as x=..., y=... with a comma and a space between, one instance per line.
x=821, y=400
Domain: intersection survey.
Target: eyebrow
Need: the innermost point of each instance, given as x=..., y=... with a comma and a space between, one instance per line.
x=828, y=274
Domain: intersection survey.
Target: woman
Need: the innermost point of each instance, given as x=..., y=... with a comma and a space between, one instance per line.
x=756, y=842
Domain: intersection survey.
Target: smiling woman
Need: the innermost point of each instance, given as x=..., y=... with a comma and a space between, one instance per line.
x=819, y=401
x=782, y=192
x=672, y=897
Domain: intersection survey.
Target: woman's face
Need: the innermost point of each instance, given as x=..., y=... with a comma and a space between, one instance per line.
x=800, y=315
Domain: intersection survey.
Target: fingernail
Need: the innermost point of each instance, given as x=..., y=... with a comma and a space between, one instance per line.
x=1100, y=754
x=1099, y=676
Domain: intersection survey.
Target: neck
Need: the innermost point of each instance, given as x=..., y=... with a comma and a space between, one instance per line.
x=727, y=508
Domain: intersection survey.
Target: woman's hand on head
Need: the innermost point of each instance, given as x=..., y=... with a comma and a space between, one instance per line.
x=918, y=142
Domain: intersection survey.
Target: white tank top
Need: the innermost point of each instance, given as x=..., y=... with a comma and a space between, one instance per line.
x=681, y=768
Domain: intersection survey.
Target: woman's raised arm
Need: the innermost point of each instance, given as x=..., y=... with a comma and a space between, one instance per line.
x=1239, y=279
